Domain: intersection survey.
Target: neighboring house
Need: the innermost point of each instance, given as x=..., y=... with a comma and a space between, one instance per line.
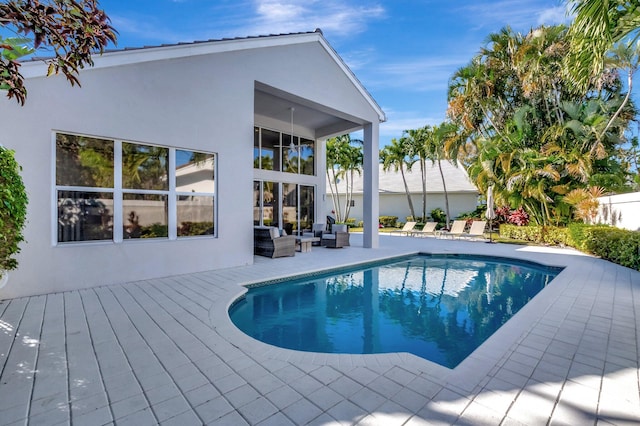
x=166, y=157
x=621, y=210
x=463, y=195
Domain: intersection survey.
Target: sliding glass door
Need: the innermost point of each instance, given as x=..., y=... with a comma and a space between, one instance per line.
x=285, y=205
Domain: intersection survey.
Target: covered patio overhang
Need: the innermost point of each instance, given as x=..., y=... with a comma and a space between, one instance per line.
x=273, y=107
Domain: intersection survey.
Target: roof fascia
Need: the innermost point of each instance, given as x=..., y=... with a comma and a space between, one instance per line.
x=38, y=68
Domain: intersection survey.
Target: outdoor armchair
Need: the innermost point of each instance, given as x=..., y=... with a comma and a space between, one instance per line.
x=337, y=238
x=268, y=242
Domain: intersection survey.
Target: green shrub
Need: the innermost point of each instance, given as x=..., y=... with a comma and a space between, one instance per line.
x=615, y=245
x=13, y=209
x=438, y=215
x=551, y=235
x=388, y=221
x=350, y=222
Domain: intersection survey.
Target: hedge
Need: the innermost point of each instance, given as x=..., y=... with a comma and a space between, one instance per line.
x=13, y=209
x=616, y=245
x=388, y=221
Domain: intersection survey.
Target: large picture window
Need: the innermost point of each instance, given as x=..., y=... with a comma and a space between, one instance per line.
x=119, y=190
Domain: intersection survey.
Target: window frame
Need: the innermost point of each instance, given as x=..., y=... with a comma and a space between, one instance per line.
x=117, y=191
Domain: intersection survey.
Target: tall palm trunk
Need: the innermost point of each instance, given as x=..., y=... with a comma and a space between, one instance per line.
x=446, y=194
x=406, y=189
x=423, y=172
x=335, y=196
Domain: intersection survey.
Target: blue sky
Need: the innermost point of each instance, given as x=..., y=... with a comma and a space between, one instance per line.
x=403, y=51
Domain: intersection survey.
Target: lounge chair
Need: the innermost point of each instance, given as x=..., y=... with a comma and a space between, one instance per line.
x=476, y=231
x=456, y=230
x=406, y=229
x=429, y=228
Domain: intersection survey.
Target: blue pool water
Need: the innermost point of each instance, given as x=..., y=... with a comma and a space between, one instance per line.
x=440, y=308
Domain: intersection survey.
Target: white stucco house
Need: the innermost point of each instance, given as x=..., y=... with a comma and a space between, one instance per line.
x=620, y=210
x=166, y=157
x=462, y=193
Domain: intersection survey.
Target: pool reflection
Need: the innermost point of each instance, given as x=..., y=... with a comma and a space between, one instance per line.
x=440, y=309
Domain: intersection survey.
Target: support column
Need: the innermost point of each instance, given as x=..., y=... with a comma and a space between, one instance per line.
x=371, y=204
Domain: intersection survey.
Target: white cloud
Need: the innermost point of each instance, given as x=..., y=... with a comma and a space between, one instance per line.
x=399, y=121
x=553, y=16
x=421, y=74
x=359, y=59
x=340, y=18
x=518, y=14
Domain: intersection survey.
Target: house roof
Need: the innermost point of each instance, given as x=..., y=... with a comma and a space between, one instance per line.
x=390, y=182
x=36, y=67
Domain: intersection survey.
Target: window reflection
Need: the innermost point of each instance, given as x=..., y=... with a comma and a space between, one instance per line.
x=289, y=207
x=84, y=216
x=145, y=167
x=195, y=215
x=290, y=156
x=144, y=215
x=256, y=148
x=84, y=161
x=194, y=171
x=257, y=197
x=270, y=151
x=307, y=162
x=306, y=207
x=270, y=207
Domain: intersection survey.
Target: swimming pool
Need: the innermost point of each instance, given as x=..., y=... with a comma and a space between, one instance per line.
x=438, y=307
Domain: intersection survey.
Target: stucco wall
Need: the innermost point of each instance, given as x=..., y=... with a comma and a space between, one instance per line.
x=197, y=103
x=622, y=211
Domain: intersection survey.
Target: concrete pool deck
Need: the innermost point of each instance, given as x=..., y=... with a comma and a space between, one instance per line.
x=164, y=351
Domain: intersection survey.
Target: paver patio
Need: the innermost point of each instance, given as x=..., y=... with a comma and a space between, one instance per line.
x=164, y=351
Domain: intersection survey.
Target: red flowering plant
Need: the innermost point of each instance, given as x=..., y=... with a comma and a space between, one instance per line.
x=519, y=217
x=502, y=215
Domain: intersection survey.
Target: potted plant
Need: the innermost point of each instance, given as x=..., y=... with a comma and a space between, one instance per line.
x=13, y=211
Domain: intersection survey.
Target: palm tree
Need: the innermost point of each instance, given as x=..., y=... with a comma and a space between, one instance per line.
x=436, y=142
x=597, y=26
x=344, y=159
x=395, y=156
x=532, y=134
x=585, y=202
x=416, y=144
x=624, y=56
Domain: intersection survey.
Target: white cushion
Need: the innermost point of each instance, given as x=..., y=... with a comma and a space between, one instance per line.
x=328, y=236
x=275, y=233
x=339, y=228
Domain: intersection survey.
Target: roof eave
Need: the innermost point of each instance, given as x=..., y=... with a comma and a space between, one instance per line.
x=37, y=67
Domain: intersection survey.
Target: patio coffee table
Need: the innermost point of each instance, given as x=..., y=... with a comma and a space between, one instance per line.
x=305, y=243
